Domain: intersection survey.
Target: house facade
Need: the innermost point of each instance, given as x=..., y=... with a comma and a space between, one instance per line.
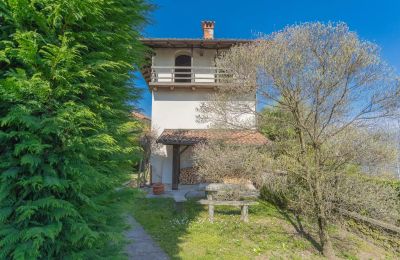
x=182, y=76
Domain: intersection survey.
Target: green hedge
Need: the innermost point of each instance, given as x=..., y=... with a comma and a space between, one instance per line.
x=65, y=95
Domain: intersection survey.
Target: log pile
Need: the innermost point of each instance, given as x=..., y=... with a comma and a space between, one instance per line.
x=189, y=175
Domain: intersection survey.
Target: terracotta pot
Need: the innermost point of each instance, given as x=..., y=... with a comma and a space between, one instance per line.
x=158, y=188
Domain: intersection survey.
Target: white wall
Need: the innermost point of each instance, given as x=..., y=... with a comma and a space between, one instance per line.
x=175, y=109
x=166, y=56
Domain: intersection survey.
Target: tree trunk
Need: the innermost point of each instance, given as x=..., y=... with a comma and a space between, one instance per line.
x=320, y=206
x=300, y=135
x=325, y=240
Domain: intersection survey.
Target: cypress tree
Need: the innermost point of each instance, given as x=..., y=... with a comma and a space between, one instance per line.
x=64, y=122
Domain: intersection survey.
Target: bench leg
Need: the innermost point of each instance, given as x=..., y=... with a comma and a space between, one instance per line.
x=245, y=213
x=211, y=212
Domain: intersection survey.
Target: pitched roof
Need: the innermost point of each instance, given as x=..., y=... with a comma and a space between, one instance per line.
x=140, y=116
x=194, y=136
x=188, y=43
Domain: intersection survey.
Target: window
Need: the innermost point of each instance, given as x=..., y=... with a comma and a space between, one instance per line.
x=183, y=74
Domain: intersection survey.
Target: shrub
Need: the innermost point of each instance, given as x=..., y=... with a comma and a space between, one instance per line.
x=218, y=161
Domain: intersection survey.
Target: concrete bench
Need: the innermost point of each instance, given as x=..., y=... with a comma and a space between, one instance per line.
x=244, y=205
x=215, y=190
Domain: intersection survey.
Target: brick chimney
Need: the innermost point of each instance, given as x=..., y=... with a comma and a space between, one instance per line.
x=208, y=29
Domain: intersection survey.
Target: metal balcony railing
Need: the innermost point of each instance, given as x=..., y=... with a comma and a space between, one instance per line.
x=179, y=75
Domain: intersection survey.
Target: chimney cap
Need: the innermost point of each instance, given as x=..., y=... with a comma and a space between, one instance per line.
x=208, y=24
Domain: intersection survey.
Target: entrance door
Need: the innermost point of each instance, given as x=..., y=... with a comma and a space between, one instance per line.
x=183, y=74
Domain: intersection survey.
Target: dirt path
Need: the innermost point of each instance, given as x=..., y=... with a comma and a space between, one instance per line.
x=142, y=246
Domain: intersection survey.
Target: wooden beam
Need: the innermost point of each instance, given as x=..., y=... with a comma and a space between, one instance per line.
x=184, y=149
x=176, y=166
x=374, y=222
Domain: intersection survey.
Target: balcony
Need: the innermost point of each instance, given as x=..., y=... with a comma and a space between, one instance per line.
x=187, y=77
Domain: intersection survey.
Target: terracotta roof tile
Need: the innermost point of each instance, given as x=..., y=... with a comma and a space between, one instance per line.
x=194, y=136
x=140, y=116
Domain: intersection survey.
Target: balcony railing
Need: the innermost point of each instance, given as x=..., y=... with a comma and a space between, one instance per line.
x=181, y=76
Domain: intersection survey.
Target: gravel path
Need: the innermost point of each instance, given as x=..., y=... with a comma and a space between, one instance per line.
x=142, y=246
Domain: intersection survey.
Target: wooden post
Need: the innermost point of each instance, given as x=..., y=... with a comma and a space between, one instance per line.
x=245, y=213
x=140, y=175
x=151, y=174
x=138, y=180
x=176, y=165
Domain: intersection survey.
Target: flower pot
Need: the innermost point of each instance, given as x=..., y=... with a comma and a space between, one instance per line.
x=158, y=188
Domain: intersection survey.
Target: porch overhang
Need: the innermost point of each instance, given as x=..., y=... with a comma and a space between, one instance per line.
x=195, y=136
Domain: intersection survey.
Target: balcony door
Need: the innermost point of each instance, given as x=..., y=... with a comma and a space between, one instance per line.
x=183, y=74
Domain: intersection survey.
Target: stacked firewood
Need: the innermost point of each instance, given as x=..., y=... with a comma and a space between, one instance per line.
x=189, y=175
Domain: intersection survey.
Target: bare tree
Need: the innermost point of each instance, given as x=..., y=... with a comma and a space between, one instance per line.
x=219, y=161
x=332, y=86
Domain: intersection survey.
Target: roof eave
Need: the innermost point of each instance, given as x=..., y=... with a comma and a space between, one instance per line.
x=197, y=43
x=170, y=139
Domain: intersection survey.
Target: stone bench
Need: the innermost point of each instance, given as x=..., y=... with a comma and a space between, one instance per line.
x=229, y=195
x=244, y=205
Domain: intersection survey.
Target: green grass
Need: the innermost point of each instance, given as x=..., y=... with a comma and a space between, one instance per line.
x=270, y=234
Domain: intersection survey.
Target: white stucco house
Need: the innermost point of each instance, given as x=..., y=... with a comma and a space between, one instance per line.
x=181, y=76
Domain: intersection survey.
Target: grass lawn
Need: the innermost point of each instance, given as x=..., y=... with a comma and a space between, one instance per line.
x=271, y=234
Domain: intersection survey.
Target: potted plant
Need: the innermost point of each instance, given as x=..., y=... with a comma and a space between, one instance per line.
x=158, y=188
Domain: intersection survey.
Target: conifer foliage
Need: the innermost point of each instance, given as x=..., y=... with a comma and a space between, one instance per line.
x=64, y=95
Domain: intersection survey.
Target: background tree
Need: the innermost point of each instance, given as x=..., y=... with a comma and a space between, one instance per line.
x=330, y=87
x=64, y=122
x=275, y=124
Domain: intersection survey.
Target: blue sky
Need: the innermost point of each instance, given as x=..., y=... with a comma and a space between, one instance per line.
x=376, y=21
